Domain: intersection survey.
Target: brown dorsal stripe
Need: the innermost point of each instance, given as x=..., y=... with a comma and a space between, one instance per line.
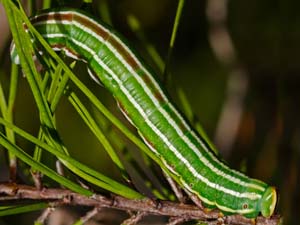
x=92, y=25
x=123, y=52
x=52, y=16
x=156, y=92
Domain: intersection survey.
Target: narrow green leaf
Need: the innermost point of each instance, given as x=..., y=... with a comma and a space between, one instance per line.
x=13, y=88
x=91, y=123
x=12, y=210
x=166, y=73
x=25, y=52
x=78, y=168
x=22, y=155
x=7, y=113
x=55, y=82
x=176, y=22
x=87, y=92
x=91, y=96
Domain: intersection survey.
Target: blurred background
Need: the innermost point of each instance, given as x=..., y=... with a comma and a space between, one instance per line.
x=237, y=63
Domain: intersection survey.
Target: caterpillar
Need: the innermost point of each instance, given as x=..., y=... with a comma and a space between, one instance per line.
x=184, y=153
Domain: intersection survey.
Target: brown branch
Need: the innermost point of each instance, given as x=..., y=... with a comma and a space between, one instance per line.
x=177, y=220
x=134, y=219
x=14, y=192
x=45, y=214
x=90, y=215
x=176, y=189
x=37, y=179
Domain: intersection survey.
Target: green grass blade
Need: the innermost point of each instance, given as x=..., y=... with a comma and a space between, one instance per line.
x=46, y=115
x=176, y=22
x=91, y=123
x=166, y=74
x=86, y=91
x=6, y=109
x=54, y=84
x=78, y=168
x=13, y=88
x=22, y=155
x=12, y=210
x=89, y=94
x=25, y=51
x=59, y=92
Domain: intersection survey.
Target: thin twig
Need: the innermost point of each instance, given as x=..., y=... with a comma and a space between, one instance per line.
x=176, y=220
x=195, y=199
x=37, y=179
x=90, y=215
x=45, y=214
x=176, y=189
x=15, y=192
x=59, y=168
x=134, y=219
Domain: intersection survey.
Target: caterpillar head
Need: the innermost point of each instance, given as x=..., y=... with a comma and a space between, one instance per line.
x=268, y=202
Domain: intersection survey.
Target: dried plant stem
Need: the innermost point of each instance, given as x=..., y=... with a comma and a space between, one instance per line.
x=43, y=217
x=134, y=219
x=15, y=192
x=90, y=215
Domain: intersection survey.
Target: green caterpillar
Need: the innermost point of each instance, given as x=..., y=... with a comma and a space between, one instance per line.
x=187, y=157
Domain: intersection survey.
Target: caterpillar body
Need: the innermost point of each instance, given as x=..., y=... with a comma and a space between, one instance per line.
x=143, y=101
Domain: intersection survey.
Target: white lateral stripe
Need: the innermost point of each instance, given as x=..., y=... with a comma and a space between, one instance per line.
x=66, y=50
x=161, y=110
x=43, y=22
x=251, y=195
x=55, y=35
x=188, y=188
x=239, y=211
